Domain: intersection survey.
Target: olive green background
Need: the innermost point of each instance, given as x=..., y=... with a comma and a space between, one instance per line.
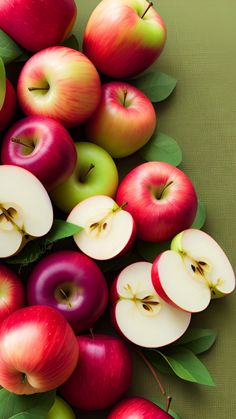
x=201, y=116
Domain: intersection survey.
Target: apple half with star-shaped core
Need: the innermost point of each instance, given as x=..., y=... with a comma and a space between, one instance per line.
x=73, y=284
x=38, y=350
x=60, y=83
x=8, y=108
x=161, y=199
x=42, y=146
x=124, y=37
x=95, y=174
x=108, y=230
x=137, y=408
x=193, y=272
x=25, y=209
x=140, y=314
x=12, y=292
x=124, y=120
x=60, y=410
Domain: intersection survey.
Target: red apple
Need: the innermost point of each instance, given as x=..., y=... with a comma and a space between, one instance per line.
x=161, y=199
x=124, y=120
x=9, y=106
x=42, y=146
x=102, y=375
x=71, y=283
x=12, y=293
x=38, y=350
x=137, y=408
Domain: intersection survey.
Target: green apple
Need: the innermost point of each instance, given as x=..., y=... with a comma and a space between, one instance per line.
x=94, y=174
x=60, y=410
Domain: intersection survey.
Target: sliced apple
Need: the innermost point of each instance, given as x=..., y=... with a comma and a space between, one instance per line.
x=140, y=314
x=108, y=230
x=193, y=272
x=25, y=209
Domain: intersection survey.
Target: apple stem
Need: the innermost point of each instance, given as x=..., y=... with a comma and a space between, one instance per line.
x=63, y=293
x=125, y=96
x=84, y=175
x=31, y=89
x=165, y=187
x=149, y=6
x=157, y=379
x=23, y=378
x=91, y=331
x=18, y=141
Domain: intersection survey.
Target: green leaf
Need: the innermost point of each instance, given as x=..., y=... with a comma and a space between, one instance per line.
x=149, y=251
x=35, y=406
x=71, y=42
x=187, y=366
x=155, y=85
x=9, y=50
x=197, y=340
x=2, y=83
x=158, y=362
x=162, y=406
x=36, y=248
x=162, y=148
x=200, y=215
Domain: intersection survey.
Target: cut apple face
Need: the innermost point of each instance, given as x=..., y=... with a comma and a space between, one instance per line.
x=25, y=209
x=108, y=230
x=193, y=272
x=140, y=314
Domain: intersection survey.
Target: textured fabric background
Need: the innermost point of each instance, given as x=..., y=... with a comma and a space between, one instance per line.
x=201, y=116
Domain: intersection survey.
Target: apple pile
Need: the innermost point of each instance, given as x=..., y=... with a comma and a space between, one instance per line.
x=44, y=340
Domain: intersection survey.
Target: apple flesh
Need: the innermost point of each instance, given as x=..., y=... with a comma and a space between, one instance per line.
x=161, y=199
x=42, y=146
x=124, y=120
x=12, y=293
x=60, y=83
x=95, y=174
x=193, y=272
x=38, y=350
x=29, y=22
x=140, y=314
x=71, y=283
x=137, y=408
x=102, y=375
x=60, y=410
x=9, y=106
x=25, y=209
x=124, y=37
x=108, y=230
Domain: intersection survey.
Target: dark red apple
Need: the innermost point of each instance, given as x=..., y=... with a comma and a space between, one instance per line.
x=138, y=408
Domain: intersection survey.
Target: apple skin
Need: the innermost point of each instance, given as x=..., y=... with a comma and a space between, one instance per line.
x=53, y=156
x=161, y=199
x=103, y=373
x=124, y=120
x=60, y=410
x=102, y=179
x=60, y=83
x=9, y=106
x=38, y=350
x=77, y=274
x=137, y=408
x=29, y=22
x=157, y=283
x=119, y=42
x=12, y=293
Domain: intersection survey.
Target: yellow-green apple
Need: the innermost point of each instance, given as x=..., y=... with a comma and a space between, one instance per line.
x=9, y=106
x=12, y=293
x=60, y=83
x=25, y=209
x=124, y=37
x=195, y=270
x=42, y=146
x=108, y=230
x=37, y=24
x=60, y=410
x=137, y=408
x=38, y=350
x=124, y=120
x=140, y=314
x=102, y=375
x=95, y=174
x=161, y=198
x=71, y=283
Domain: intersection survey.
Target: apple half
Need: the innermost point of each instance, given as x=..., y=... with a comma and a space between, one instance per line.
x=25, y=209
x=195, y=270
x=108, y=230
x=140, y=314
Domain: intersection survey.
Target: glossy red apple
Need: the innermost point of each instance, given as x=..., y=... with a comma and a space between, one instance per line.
x=9, y=106
x=12, y=292
x=103, y=373
x=137, y=408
